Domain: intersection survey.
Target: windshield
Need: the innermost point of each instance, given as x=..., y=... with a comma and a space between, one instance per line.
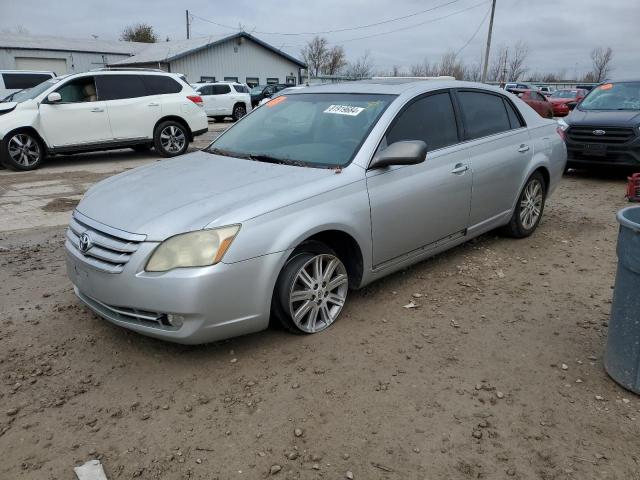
x=613, y=96
x=565, y=94
x=31, y=93
x=311, y=129
x=258, y=89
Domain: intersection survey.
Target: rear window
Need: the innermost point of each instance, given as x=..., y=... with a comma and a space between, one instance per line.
x=118, y=87
x=160, y=84
x=20, y=81
x=484, y=114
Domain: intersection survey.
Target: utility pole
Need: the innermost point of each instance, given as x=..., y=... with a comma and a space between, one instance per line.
x=486, y=53
x=189, y=29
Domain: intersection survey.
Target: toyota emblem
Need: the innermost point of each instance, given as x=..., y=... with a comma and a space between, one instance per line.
x=85, y=242
x=599, y=132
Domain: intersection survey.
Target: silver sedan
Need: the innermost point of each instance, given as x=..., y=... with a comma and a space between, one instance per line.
x=317, y=192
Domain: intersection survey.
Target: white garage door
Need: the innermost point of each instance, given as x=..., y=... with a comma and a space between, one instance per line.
x=57, y=65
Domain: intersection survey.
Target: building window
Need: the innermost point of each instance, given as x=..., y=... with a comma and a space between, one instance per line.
x=291, y=80
x=273, y=81
x=253, y=81
x=207, y=79
x=231, y=79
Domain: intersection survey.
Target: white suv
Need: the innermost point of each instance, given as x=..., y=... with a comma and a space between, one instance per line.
x=100, y=110
x=224, y=99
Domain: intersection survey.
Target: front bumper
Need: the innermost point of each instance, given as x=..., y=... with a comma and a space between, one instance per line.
x=609, y=154
x=215, y=303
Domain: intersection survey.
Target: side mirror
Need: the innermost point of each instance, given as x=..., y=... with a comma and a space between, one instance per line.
x=572, y=105
x=54, y=97
x=406, y=152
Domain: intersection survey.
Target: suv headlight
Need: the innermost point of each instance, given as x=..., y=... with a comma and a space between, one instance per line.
x=194, y=249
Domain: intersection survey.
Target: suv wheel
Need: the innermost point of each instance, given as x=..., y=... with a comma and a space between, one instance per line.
x=22, y=151
x=311, y=289
x=239, y=111
x=170, y=139
x=529, y=208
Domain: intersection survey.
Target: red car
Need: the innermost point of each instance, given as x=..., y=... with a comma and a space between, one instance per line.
x=560, y=98
x=535, y=100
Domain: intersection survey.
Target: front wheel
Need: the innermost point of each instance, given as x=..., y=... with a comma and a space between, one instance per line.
x=529, y=208
x=171, y=139
x=21, y=151
x=311, y=290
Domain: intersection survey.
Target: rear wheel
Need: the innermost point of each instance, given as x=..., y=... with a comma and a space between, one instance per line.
x=22, y=151
x=311, y=290
x=171, y=139
x=529, y=208
x=239, y=111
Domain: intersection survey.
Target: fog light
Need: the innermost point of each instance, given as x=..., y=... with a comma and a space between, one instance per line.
x=175, y=320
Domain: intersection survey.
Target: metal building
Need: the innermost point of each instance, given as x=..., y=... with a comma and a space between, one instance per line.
x=240, y=57
x=61, y=55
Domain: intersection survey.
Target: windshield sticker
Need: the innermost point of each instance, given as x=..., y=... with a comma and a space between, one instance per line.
x=276, y=101
x=344, y=110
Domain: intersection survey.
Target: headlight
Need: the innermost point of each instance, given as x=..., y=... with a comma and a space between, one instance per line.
x=193, y=249
x=563, y=125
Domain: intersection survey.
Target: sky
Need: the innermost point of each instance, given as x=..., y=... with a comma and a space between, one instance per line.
x=560, y=33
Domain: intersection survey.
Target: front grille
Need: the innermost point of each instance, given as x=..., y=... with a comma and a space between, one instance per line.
x=612, y=135
x=108, y=250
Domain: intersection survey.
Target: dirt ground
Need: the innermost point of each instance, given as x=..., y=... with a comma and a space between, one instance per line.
x=497, y=374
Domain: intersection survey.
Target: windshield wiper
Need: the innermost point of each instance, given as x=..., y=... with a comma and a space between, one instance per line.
x=226, y=153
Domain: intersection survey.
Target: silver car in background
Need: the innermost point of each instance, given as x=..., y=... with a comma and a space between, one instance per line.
x=317, y=192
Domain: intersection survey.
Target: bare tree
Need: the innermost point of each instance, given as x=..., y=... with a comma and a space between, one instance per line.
x=498, y=69
x=601, y=59
x=362, y=67
x=515, y=60
x=140, y=32
x=424, y=69
x=473, y=73
x=335, y=61
x=315, y=55
x=449, y=65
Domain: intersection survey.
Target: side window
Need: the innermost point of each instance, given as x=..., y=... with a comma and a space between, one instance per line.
x=484, y=114
x=431, y=119
x=205, y=90
x=118, y=87
x=241, y=89
x=20, y=81
x=79, y=90
x=514, y=119
x=220, y=89
x=160, y=84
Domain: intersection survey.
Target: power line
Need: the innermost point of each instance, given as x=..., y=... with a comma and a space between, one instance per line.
x=474, y=33
x=360, y=27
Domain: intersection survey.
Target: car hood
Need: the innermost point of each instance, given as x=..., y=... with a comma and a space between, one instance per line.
x=561, y=100
x=198, y=190
x=611, y=118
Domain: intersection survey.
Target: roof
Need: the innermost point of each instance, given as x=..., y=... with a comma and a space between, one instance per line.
x=169, y=51
x=90, y=45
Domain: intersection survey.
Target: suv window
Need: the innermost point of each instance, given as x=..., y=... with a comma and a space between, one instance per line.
x=118, y=87
x=20, y=81
x=160, y=84
x=431, y=119
x=484, y=114
x=78, y=90
x=241, y=89
x=205, y=90
x=220, y=89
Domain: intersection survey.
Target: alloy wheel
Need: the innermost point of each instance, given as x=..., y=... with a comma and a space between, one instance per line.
x=172, y=139
x=531, y=204
x=24, y=150
x=239, y=112
x=318, y=293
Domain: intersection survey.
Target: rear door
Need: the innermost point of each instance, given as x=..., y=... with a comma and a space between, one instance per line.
x=415, y=207
x=208, y=99
x=133, y=113
x=499, y=152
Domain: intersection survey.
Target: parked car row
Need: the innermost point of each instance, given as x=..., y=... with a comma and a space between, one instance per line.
x=100, y=110
x=225, y=99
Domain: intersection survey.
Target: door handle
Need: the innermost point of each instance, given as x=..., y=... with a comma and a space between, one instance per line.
x=523, y=148
x=460, y=168
x=153, y=104
x=97, y=110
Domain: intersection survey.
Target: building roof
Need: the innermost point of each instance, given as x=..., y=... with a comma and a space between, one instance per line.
x=90, y=45
x=169, y=51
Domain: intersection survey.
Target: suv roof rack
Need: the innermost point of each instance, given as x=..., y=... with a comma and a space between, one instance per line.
x=103, y=69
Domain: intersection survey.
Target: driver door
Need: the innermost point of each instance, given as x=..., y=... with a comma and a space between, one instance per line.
x=79, y=118
x=416, y=207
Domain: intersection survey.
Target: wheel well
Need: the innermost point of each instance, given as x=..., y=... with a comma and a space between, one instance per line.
x=175, y=118
x=546, y=176
x=347, y=250
x=30, y=130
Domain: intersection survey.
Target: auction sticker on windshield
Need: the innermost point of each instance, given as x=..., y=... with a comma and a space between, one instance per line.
x=344, y=110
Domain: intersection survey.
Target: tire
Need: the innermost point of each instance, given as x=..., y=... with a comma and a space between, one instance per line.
x=532, y=199
x=315, y=307
x=239, y=111
x=22, y=151
x=171, y=138
x=141, y=148
x=218, y=119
